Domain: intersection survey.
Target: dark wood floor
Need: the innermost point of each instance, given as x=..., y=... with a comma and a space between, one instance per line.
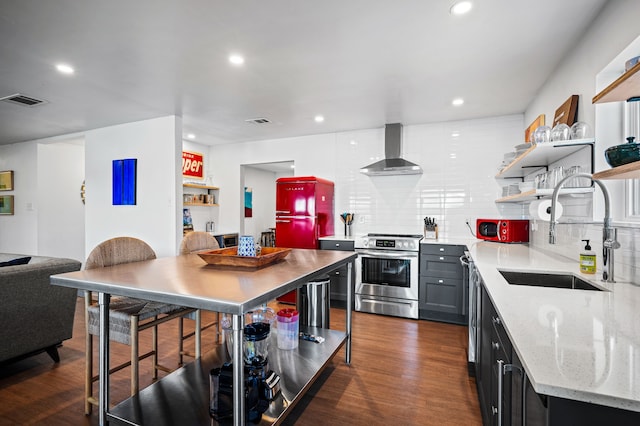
x=403, y=372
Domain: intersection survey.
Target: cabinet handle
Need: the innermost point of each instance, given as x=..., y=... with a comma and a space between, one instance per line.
x=502, y=370
x=441, y=258
x=524, y=398
x=500, y=389
x=441, y=248
x=337, y=244
x=494, y=410
x=495, y=345
x=496, y=320
x=440, y=281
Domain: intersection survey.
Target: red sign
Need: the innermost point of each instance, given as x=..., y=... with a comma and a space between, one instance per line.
x=192, y=164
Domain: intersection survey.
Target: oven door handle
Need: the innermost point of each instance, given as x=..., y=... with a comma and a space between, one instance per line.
x=384, y=302
x=381, y=254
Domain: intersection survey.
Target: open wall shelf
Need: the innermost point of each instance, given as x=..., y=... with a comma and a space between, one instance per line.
x=195, y=185
x=626, y=171
x=625, y=87
x=534, y=194
x=541, y=155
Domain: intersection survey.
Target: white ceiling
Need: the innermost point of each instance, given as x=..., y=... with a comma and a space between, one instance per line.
x=360, y=63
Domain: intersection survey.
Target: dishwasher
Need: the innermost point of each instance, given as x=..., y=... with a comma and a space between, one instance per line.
x=473, y=281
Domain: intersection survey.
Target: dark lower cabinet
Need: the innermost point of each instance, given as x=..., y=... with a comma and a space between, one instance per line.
x=483, y=363
x=494, y=378
x=507, y=397
x=339, y=279
x=442, y=292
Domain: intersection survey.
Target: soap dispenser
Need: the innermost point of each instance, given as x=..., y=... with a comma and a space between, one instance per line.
x=588, y=259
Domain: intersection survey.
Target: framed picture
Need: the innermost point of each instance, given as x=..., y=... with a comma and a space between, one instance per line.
x=528, y=132
x=187, y=220
x=248, y=202
x=567, y=112
x=124, y=182
x=6, y=180
x=192, y=164
x=6, y=204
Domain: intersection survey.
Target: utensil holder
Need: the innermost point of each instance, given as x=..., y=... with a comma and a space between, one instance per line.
x=431, y=232
x=347, y=229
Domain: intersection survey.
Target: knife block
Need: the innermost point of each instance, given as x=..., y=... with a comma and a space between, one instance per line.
x=431, y=232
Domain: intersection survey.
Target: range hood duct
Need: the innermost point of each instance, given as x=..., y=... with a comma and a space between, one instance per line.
x=392, y=164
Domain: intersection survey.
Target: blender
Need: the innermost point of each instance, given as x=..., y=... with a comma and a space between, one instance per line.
x=261, y=384
x=256, y=348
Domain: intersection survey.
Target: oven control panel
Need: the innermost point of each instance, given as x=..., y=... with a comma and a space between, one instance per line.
x=388, y=243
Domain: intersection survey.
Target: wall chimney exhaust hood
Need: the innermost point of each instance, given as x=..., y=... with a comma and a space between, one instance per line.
x=392, y=164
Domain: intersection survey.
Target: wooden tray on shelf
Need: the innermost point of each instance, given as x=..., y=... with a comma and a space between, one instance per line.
x=229, y=257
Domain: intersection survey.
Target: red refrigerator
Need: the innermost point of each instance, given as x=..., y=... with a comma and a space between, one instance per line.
x=304, y=213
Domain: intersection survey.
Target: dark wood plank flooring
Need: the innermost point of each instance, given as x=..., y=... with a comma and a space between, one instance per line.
x=403, y=372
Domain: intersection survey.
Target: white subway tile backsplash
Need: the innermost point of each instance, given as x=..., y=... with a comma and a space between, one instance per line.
x=459, y=160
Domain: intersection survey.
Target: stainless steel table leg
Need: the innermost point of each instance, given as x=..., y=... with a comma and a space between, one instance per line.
x=349, y=313
x=238, y=371
x=103, y=401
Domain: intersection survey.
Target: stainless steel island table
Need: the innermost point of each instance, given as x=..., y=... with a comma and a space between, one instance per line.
x=188, y=281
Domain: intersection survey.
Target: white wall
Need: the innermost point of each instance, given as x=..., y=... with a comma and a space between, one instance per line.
x=49, y=215
x=612, y=31
x=586, y=70
x=60, y=209
x=458, y=180
x=157, y=216
x=19, y=233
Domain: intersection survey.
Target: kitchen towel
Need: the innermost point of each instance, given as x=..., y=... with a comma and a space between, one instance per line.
x=541, y=209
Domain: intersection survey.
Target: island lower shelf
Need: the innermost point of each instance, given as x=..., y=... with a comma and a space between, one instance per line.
x=183, y=396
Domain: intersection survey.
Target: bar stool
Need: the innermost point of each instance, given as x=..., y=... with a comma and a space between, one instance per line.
x=127, y=316
x=194, y=242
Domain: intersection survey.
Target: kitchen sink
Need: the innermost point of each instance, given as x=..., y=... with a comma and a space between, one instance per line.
x=537, y=279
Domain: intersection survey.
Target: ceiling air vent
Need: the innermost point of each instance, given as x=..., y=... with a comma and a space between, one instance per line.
x=258, y=120
x=20, y=99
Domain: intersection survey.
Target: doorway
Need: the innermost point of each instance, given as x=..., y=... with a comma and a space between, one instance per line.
x=258, y=196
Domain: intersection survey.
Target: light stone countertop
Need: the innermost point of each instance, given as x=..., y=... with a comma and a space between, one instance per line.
x=458, y=241
x=575, y=344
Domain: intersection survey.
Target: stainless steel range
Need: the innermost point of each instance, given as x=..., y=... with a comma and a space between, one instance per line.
x=387, y=274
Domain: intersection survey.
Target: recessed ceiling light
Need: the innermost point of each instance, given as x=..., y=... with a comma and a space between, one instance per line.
x=461, y=7
x=318, y=118
x=457, y=102
x=65, y=69
x=191, y=136
x=236, y=59
x=455, y=134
